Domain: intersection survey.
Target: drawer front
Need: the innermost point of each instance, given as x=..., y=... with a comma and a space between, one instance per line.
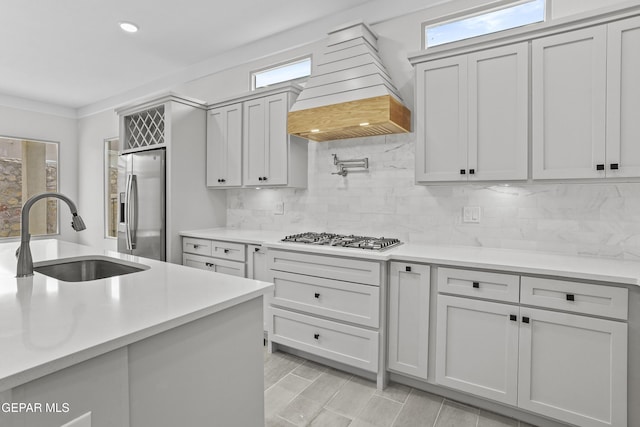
x=346, y=269
x=196, y=246
x=598, y=300
x=228, y=250
x=232, y=268
x=349, y=302
x=343, y=343
x=479, y=284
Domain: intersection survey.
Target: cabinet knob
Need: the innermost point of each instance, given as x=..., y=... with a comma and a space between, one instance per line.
x=613, y=166
x=462, y=171
x=208, y=264
x=264, y=178
x=407, y=268
x=513, y=317
x=472, y=171
x=476, y=285
x=259, y=178
x=316, y=336
x=196, y=246
x=226, y=251
x=571, y=297
x=223, y=180
x=525, y=319
x=600, y=167
x=316, y=295
x=257, y=249
x=219, y=181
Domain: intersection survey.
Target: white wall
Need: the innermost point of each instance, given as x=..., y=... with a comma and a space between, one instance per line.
x=92, y=132
x=45, y=126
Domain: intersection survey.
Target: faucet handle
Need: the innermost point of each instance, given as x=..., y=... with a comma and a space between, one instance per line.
x=18, y=251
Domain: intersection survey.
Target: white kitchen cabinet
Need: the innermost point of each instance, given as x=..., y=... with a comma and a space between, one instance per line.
x=477, y=347
x=409, y=318
x=573, y=368
x=224, y=146
x=623, y=98
x=472, y=116
x=214, y=255
x=569, y=100
x=271, y=156
x=257, y=270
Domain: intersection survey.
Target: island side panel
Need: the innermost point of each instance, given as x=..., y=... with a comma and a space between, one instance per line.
x=207, y=372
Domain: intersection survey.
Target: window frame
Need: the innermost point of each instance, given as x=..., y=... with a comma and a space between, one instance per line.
x=105, y=187
x=253, y=73
x=476, y=11
x=58, y=185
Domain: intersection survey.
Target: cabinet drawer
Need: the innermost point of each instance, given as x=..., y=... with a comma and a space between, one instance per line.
x=196, y=246
x=349, y=302
x=215, y=248
x=350, y=270
x=480, y=284
x=598, y=300
x=343, y=343
x=227, y=250
x=232, y=268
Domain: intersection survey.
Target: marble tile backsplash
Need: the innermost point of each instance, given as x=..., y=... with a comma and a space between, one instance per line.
x=591, y=219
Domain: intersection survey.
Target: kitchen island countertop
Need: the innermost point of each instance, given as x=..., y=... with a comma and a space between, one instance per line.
x=48, y=325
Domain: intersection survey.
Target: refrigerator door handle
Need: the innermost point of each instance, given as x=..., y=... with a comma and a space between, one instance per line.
x=134, y=206
x=127, y=212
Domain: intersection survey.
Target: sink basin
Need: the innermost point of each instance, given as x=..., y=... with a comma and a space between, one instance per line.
x=83, y=269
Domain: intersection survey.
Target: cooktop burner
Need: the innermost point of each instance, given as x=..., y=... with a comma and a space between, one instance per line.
x=345, y=241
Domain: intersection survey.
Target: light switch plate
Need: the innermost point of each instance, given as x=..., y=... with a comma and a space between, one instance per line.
x=278, y=208
x=471, y=214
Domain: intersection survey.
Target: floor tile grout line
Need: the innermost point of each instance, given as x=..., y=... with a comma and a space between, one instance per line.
x=438, y=415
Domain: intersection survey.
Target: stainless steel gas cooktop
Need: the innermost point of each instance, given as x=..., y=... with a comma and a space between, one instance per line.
x=345, y=241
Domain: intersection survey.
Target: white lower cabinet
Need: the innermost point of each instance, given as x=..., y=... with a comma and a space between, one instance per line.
x=327, y=306
x=570, y=367
x=408, y=318
x=477, y=347
x=257, y=270
x=573, y=368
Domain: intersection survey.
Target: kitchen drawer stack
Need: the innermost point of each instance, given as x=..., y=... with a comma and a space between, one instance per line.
x=327, y=306
x=214, y=255
x=553, y=347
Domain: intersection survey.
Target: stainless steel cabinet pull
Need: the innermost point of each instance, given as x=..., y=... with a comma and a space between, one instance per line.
x=525, y=320
x=571, y=297
x=476, y=285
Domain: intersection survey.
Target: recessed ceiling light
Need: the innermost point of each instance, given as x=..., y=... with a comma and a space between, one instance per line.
x=128, y=27
x=364, y=124
x=315, y=130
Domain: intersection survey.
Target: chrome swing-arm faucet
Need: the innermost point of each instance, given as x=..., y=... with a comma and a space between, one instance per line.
x=25, y=262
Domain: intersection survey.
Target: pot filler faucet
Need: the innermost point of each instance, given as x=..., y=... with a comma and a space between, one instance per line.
x=25, y=262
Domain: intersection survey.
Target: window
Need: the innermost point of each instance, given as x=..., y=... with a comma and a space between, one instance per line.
x=27, y=168
x=293, y=70
x=484, y=23
x=111, y=152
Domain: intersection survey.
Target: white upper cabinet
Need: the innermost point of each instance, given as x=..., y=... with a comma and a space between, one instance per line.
x=569, y=93
x=623, y=98
x=224, y=146
x=472, y=116
x=248, y=144
x=586, y=96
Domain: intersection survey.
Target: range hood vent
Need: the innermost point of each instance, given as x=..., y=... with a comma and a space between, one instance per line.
x=349, y=93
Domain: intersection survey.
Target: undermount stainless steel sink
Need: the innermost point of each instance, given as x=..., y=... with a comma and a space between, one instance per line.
x=83, y=269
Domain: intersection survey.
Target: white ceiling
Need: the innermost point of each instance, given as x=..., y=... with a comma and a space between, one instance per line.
x=71, y=53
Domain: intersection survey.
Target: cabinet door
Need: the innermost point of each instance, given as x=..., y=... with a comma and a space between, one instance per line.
x=409, y=318
x=623, y=98
x=277, y=140
x=257, y=270
x=498, y=113
x=441, y=101
x=573, y=368
x=477, y=347
x=224, y=146
x=254, y=138
x=569, y=91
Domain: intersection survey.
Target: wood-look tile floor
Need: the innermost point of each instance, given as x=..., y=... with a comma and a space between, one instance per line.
x=298, y=392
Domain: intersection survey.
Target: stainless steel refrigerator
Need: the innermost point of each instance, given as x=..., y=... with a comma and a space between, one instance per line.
x=141, y=193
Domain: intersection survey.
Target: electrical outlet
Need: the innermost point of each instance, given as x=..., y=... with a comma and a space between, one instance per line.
x=471, y=214
x=278, y=208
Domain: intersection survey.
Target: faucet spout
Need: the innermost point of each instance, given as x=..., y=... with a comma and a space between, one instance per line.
x=25, y=261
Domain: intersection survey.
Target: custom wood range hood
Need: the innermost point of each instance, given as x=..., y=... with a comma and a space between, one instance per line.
x=349, y=93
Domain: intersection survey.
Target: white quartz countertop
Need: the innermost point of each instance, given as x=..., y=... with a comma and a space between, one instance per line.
x=526, y=262
x=47, y=324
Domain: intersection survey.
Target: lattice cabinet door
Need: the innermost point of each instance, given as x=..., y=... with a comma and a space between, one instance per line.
x=145, y=129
